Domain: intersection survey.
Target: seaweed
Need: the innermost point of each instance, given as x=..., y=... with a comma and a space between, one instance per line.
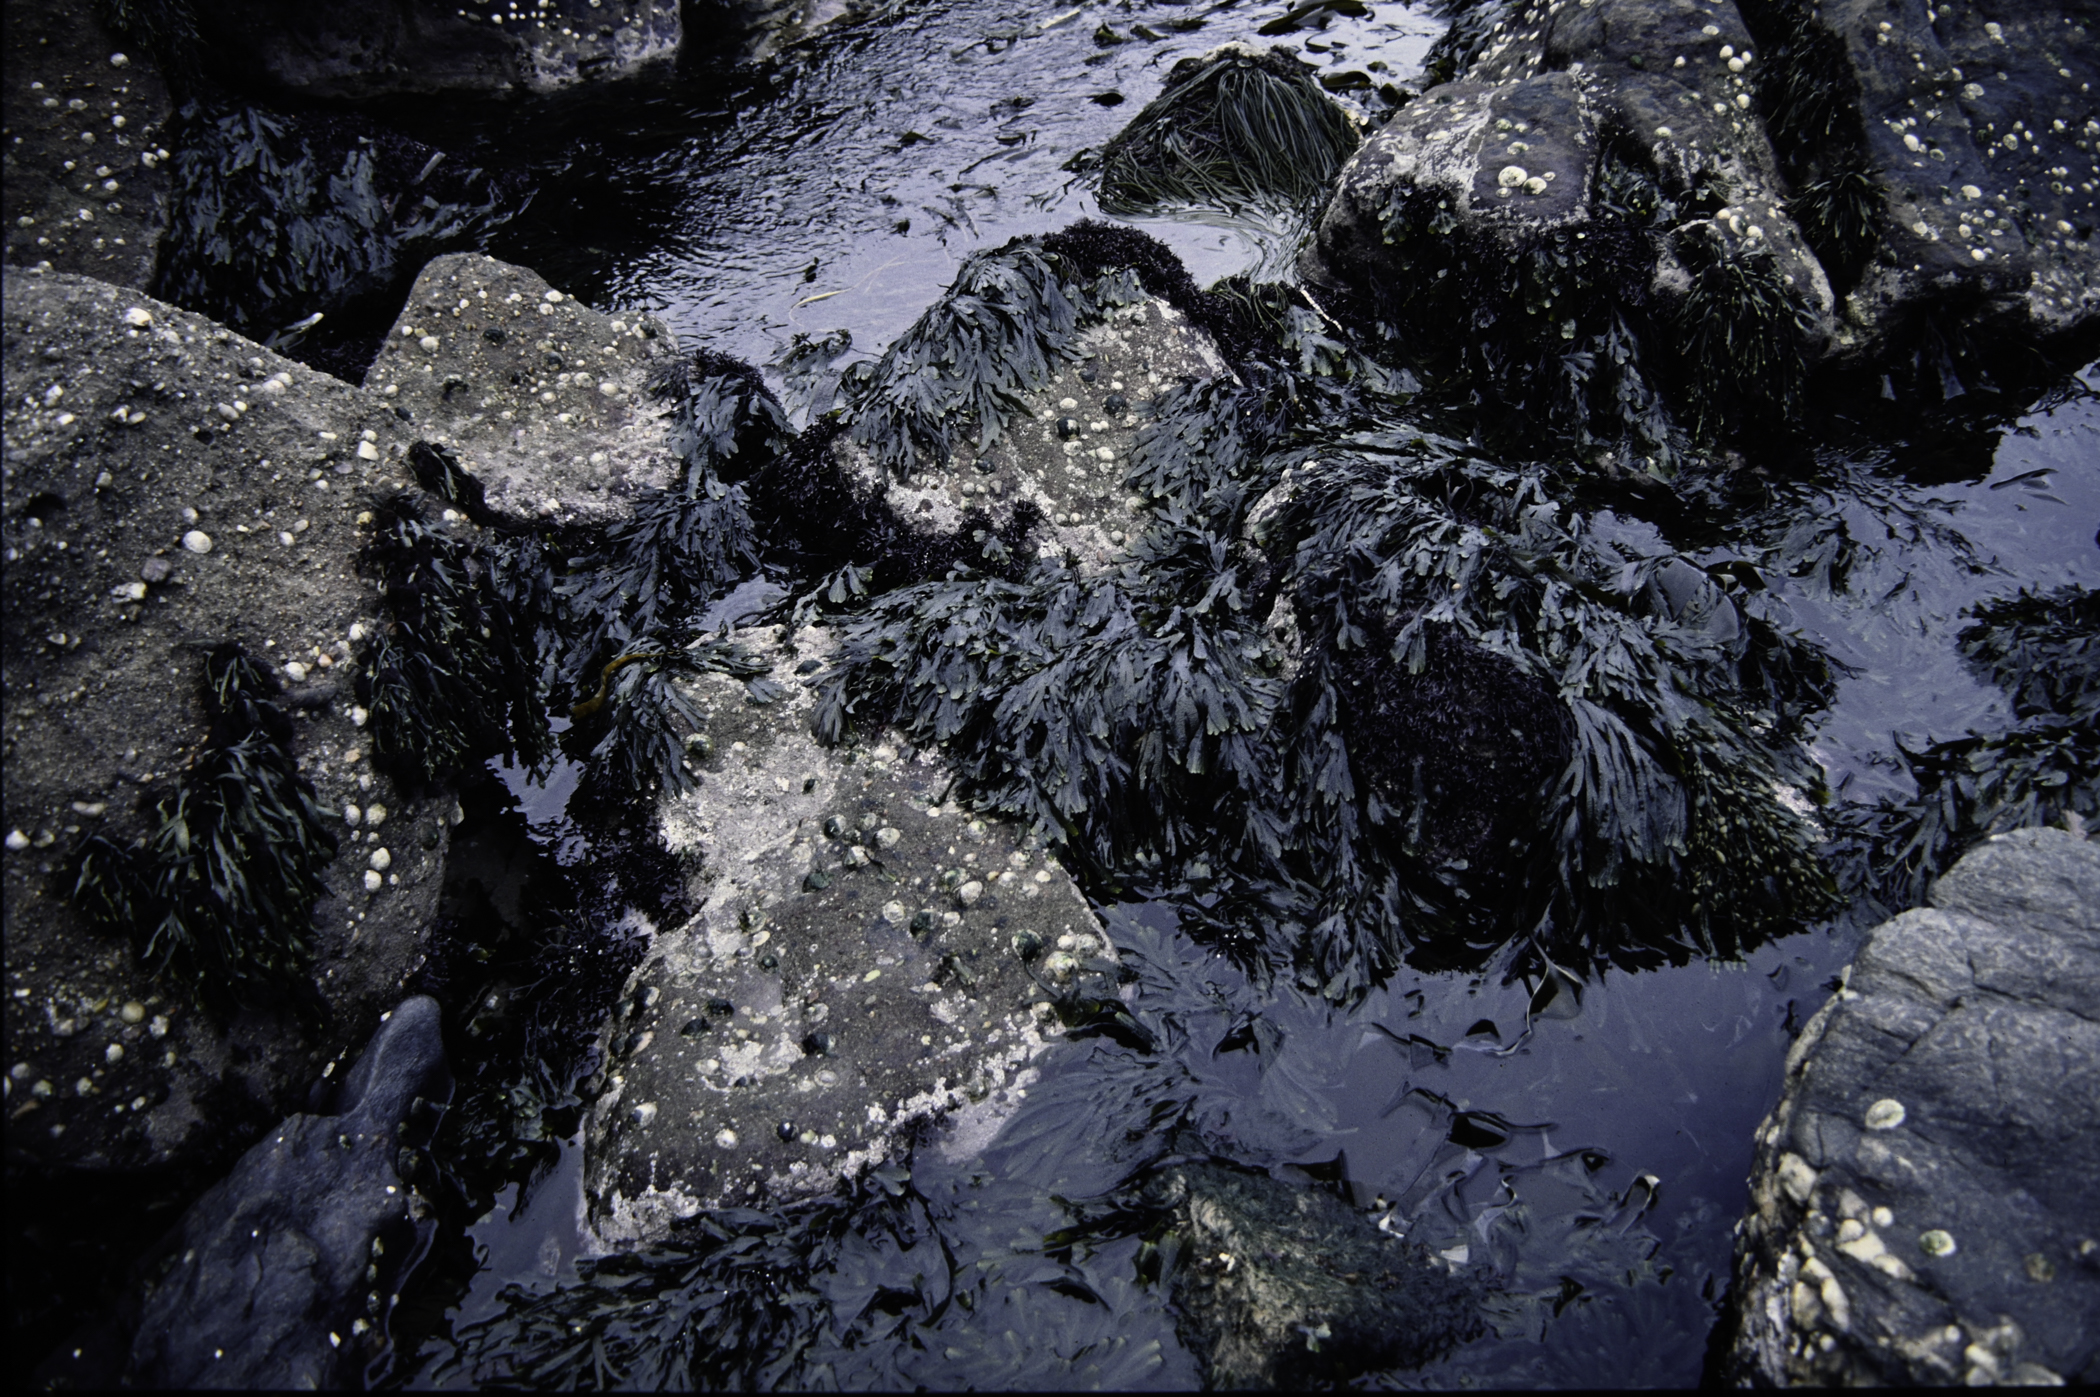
x=1739, y=332
x=1665, y=679
x=639, y=742
x=1122, y=711
x=446, y=679
x=1232, y=129
x=219, y=896
x=1809, y=98
x=280, y=218
x=2043, y=649
x=1005, y=323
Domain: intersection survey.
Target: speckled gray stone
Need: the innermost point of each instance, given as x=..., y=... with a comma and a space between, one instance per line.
x=1924, y=1204
x=867, y=959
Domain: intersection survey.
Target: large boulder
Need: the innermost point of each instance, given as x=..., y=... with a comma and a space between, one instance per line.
x=170, y=487
x=1923, y=1204
x=353, y=52
x=1610, y=205
x=867, y=959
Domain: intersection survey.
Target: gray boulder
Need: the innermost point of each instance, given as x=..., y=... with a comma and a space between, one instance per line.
x=1924, y=1209
x=544, y=399
x=283, y=1273
x=867, y=960
x=169, y=486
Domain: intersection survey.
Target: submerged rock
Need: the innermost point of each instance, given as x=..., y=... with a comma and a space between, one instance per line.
x=545, y=400
x=866, y=959
x=1923, y=1205
x=1283, y=1286
x=280, y=1275
x=135, y=432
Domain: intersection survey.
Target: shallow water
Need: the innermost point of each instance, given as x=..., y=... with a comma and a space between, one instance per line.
x=845, y=193
x=840, y=193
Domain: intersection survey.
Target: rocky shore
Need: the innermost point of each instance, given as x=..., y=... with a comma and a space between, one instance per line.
x=244, y=598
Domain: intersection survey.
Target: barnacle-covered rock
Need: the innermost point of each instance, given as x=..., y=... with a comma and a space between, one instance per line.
x=131, y=424
x=546, y=401
x=360, y=51
x=106, y=226
x=1631, y=216
x=867, y=958
x=1923, y=1204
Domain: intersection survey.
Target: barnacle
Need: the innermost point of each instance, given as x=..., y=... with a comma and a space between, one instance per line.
x=219, y=896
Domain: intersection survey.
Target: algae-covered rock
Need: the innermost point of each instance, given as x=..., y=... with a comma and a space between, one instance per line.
x=1923, y=1203
x=545, y=400
x=1065, y=451
x=1280, y=1285
x=172, y=489
x=867, y=958
x=1613, y=209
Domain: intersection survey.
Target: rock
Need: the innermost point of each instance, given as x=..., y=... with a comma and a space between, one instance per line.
x=834, y=993
x=1924, y=1208
x=1981, y=134
x=1067, y=451
x=86, y=187
x=1714, y=200
x=279, y=1275
x=516, y=381
x=393, y=48
x=1285, y=1286
x=104, y=705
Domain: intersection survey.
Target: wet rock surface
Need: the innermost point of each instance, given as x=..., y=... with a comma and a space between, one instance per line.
x=282, y=1274
x=395, y=48
x=1863, y=180
x=1283, y=1286
x=170, y=487
x=1067, y=451
x=1923, y=1201
x=86, y=189
x=543, y=398
x=867, y=959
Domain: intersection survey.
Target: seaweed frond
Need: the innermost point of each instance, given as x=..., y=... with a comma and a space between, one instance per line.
x=2044, y=651
x=446, y=679
x=1231, y=129
x=219, y=897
